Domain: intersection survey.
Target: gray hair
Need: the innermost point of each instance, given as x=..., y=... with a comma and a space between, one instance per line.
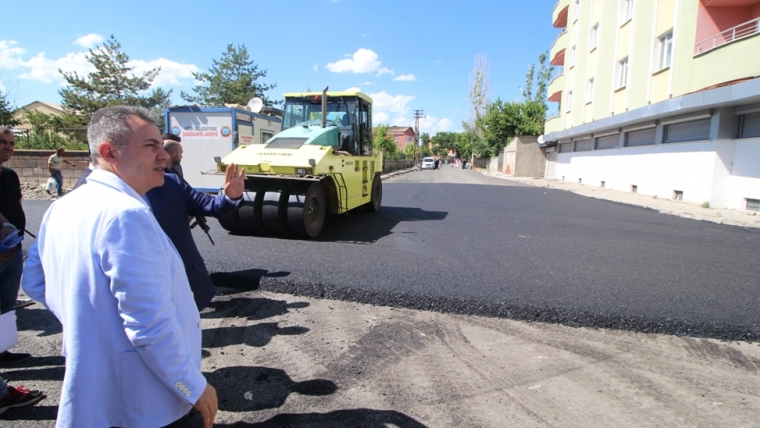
x=4, y=130
x=109, y=124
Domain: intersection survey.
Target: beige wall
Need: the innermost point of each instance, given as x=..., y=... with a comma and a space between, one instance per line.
x=32, y=166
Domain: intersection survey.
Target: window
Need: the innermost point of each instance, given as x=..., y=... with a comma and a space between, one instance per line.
x=576, y=9
x=640, y=137
x=621, y=73
x=592, y=37
x=566, y=147
x=693, y=130
x=571, y=60
x=266, y=136
x=607, y=141
x=590, y=90
x=666, y=50
x=569, y=100
x=750, y=126
x=584, y=145
x=626, y=11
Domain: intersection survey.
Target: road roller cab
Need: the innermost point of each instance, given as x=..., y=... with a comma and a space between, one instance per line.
x=321, y=162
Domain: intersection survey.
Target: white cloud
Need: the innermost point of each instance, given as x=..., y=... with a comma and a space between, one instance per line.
x=379, y=117
x=10, y=54
x=391, y=103
x=89, y=41
x=432, y=125
x=2, y=87
x=362, y=61
x=367, y=83
x=46, y=70
x=316, y=67
x=172, y=72
x=353, y=89
x=405, y=78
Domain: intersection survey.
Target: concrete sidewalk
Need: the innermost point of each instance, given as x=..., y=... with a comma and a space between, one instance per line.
x=664, y=206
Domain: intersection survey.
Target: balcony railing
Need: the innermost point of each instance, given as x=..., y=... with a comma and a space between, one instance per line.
x=741, y=31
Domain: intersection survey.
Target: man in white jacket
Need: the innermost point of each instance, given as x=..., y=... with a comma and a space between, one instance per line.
x=104, y=267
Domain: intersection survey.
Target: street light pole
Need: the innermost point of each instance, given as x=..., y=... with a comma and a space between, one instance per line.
x=417, y=116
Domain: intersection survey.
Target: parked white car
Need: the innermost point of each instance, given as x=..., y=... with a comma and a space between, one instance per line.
x=428, y=163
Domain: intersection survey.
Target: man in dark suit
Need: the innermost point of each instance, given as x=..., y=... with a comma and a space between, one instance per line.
x=173, y=202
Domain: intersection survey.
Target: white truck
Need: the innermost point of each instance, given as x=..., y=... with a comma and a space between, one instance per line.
x=210, y=132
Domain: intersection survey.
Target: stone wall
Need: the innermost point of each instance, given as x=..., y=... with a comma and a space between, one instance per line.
x=32, y=166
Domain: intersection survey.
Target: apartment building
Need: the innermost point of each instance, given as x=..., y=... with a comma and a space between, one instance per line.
x=659, y=97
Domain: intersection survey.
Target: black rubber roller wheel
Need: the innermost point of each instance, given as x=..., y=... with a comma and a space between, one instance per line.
x=377, y=195
x=250, y=212
x=274, y=208
x=231, y=223
x=306, y=209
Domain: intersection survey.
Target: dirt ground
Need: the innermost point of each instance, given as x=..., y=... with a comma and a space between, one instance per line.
x=282, y=360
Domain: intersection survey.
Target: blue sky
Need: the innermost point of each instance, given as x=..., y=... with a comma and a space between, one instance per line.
x=407, y=55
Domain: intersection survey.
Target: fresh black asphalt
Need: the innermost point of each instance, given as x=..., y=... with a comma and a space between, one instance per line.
x=457, y=244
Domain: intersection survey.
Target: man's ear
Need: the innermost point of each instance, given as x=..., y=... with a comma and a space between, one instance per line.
x=106, y=152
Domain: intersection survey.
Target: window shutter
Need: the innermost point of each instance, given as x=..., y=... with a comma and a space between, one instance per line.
x=693, y=130
x=641, y=137
x=750, y=125
x=608, y=141
x=566, y=148
x=584, y=145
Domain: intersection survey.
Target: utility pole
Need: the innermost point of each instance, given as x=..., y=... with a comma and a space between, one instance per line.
x=417, y=116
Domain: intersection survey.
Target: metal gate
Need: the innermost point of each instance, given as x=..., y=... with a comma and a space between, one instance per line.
x=550, y=165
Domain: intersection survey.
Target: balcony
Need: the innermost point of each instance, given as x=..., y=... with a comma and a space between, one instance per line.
x=557, y=52
x=559, y=16
x=741, y=31
x=555, y=88
x=553, y=124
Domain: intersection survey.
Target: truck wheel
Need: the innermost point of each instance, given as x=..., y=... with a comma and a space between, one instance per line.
x=307, y=209
x=273, y=209
x=250, y=212
x=377, y=195
x=231, y=223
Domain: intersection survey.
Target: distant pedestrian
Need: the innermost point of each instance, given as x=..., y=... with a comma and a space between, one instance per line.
x=54, y=167
x=436, y=164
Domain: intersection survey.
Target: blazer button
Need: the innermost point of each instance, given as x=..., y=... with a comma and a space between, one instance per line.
x=187, y=393
x=178, y=385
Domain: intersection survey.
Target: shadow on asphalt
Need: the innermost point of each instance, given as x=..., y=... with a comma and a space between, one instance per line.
x=257, y=335
x=38, y=412
x=258, y=308
x=359, y=227
x=245, y=389
x=37, y=317
x=366, y=418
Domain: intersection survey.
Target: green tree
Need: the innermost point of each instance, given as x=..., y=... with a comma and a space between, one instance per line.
x=504, y=120
x=6, y=112
x=49, y=132
x=234, y=79
x=112, y=83
x=382, y=141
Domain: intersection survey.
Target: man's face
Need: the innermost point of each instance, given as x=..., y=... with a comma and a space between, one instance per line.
x=176, y=154
x=7, y=145
x=141, y=163
x=60, y=152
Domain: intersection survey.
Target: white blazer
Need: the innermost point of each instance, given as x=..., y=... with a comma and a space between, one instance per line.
x=131, y=330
